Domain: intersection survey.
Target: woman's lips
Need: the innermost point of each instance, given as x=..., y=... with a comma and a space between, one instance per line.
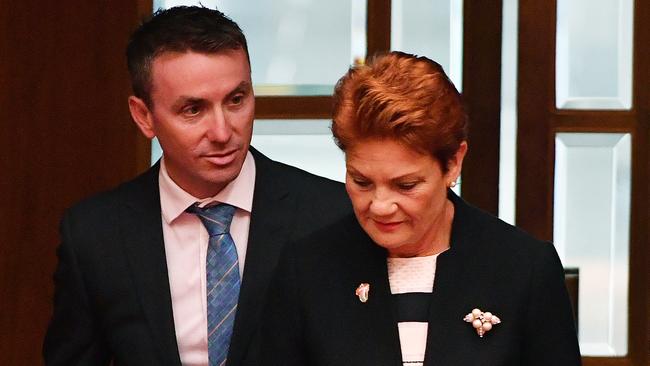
x=387, y=226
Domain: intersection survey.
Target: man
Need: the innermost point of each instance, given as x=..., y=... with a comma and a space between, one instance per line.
x=133, y=285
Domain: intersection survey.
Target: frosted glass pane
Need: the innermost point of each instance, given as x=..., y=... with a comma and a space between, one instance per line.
x=594, y=54
x=508, y=137
x=433, y=29
x=591, y=230
x=307, y=144
x=156, y=151
x=297, y=47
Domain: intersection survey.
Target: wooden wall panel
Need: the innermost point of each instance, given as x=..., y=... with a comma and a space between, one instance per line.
x=482, y=96
x=378, y=27
x=535, y=83
x=65, y=133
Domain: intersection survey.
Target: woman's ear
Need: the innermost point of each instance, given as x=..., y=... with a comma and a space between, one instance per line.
x=456, y=163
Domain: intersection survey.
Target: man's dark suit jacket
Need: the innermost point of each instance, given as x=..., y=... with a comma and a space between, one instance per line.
x=314, y=317
x=112, y=297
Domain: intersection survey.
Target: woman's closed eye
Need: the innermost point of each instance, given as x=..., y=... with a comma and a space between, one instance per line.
x=361, y=182
x=406, y=186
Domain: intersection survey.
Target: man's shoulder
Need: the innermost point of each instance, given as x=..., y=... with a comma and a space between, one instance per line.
x=309, y=201
x=305, y=178
x=142, y=187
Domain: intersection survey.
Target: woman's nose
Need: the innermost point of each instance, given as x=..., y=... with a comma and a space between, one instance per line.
x=382, y=205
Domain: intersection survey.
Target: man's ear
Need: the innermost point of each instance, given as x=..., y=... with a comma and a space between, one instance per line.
x=456, y=162
x=142, y=116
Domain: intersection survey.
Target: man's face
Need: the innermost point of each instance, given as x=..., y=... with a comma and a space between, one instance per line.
x=202, y=114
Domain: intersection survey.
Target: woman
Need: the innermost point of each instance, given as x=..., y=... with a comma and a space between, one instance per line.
x=418, y=277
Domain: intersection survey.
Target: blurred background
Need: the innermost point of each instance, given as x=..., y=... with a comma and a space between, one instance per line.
x=558, y=93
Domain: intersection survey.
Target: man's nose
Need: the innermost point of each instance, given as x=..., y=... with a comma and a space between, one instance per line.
x=219, y=129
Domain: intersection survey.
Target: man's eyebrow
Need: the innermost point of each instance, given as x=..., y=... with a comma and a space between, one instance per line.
x=243, y=87
x=184, y=99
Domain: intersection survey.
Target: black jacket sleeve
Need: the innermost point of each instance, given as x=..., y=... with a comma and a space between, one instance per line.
x=73, y=337
x=550, y=330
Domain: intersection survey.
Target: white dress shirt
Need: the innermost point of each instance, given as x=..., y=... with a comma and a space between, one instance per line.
x=186, y=242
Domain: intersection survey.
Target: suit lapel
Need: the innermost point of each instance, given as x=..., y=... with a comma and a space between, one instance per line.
x=141, y=223
x=452, y=278
x=273, y=211
x=378, y=339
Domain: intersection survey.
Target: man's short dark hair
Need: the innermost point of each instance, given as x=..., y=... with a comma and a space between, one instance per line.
x=178, y=29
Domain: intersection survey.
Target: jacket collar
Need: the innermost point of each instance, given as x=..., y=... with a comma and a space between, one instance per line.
x=141, y=226
x=272, y=213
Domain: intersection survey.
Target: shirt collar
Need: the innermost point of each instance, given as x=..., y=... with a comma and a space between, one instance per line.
x=239, y=193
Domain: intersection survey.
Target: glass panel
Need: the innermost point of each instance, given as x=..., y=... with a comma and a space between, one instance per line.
x=297, y=47
x=156, y=151
x=591, y=230
x=594, y=54
x=306, y=144
x=508, y=138
x=433, y=29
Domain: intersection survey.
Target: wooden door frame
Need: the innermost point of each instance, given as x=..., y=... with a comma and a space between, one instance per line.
x=482, y=40
x=539, y=120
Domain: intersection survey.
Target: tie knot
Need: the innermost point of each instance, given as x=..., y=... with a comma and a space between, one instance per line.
x=216, y=219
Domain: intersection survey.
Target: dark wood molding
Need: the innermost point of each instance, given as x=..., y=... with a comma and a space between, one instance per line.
x=293, y=107
x=144, y=8
x=482, y=95
x=378, y=26
x=639, y=316
x=535, y=83
x=593, y=122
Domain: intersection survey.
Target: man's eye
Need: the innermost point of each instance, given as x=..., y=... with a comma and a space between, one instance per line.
x=192, y=110
x=237, y=100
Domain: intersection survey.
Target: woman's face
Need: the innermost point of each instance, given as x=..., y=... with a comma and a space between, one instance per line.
x=400, y=195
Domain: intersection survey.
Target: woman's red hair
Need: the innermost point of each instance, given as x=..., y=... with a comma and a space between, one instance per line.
x=401, y=97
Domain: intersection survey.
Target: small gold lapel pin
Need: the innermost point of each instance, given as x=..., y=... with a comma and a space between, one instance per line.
x=482, y=321
x=362, y=292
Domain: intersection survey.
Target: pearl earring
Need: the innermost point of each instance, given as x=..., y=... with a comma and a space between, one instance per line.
x=452, y=184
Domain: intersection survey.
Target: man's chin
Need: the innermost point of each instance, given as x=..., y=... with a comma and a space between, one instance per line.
x=226, y=174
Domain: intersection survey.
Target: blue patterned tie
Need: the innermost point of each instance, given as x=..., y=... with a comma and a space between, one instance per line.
x=222, y=279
